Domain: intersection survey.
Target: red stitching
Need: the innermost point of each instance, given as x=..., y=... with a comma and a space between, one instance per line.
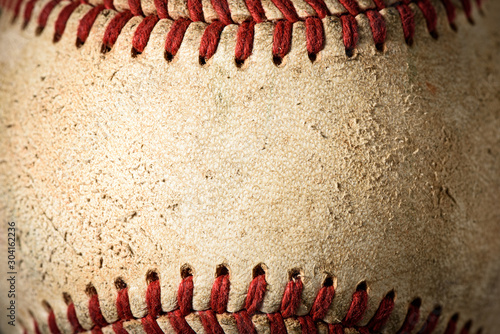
x=412, y=317
x=73, y=319
x=142, y=34
x=210, y=40
x=135, y=7
x=162, y=9
x=256, y=291
x=86, y=24
x=379, y=29
x=220, y=294
x=430, y=16
x=358, y=306
x=350, y=33
x=380, y=318
x=114, y=29
x=467, y=6
x=276, y=323
x=210, y=323
x=150, y=325
x=185, y=296
x=282, y=40
x=28, y=10
x=222, y=9
x=178, y=322
x=255, y=295
x=452, y=325
x=450, y=13
x=95, y=311
x=52, y=323
x=118, y=328
x=36, y=328
x=408, y=22
x=315, y=37
x=308, y=325
x=291, y=297
x=244, y=323
x=62, y=19
x=244, y=42
x=44, y=15
x=323, y=301
x=256, y=10
x=175, y=37
x=153, y=298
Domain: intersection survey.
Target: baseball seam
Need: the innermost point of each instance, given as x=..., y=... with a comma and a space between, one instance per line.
x=276, y=321
x=282, y=37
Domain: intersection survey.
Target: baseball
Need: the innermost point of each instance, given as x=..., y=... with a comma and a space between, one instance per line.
x=250, y=166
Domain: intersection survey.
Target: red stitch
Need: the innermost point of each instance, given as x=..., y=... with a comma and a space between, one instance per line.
x=408, y=22
x=17, y=9
x=179, y=323
x=380, y=318
x=358, y=306
x=287, y=9
x=95, y=312
x=185, y=296
x=113, y=29
x=28, y=10
x=220, y=294
x=412, y=317
x=86, y=24
x=431, y=322
x=73, y=319
x=195, y=8
x=209, y=43
x=315, y=36
x=256, y=10
x=335, y=329
x=52, y=323
x=379, y=4
x=255, y=295
x=62, y=19
x=108, y=4
x=450, y=12
x=153, y=298
x=430, y=16
x=44, y=15
x=307, y=325
x=466, y=328
x=244, y=42
x=162, y=9
x=379, y=29
x=118, y=328
x=96, y=330
x=150, y=325
x=123, y=305
x=451, y=328
x=221, y=7
x=175, y=37
x=322, y=302
x=244, y=323
x=467, y=6
x=282, y=40
x=349, y=33
x=36, y=328
x=291, y=297
x=276, y=323
x=142, y=34
x=210, y=323
x=135, y=7
x=351, y=6
x=319, y=7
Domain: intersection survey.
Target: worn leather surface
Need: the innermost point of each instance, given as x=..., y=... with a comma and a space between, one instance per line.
x=382, y=168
